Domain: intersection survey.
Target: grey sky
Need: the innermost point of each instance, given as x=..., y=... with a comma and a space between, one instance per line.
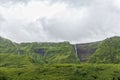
x=59, y=20
x=13, y=1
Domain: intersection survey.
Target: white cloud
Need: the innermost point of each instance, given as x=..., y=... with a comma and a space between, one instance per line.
x=75, y=21
x=66, y=25
x=11, y=2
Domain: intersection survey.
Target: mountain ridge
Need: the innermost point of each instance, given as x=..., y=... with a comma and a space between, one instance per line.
x=62, y=52
x=36, y=53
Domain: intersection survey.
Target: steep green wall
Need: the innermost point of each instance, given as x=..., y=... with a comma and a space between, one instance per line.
x=107, y=52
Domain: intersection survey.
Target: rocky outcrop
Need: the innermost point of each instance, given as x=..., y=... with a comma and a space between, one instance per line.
x=40, y=51
x=84, y=51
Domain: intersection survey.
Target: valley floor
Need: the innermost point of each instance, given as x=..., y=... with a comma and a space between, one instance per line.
x=62, y=72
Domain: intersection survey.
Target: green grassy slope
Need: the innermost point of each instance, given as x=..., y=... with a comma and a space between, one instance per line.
x=7, y=46
x=107, y=52
x=7, y=60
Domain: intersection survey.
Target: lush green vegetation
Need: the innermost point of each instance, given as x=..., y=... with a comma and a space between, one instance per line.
x=13, y=60
x=51, y=52
x=7, y=46
x=58, y=61
x=107, y=52
x=38, y=52
x=62, y=72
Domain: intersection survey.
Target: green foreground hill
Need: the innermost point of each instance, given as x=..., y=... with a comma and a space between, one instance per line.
x=62, y=72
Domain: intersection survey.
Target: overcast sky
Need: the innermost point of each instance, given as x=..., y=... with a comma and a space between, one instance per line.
x=59, y=20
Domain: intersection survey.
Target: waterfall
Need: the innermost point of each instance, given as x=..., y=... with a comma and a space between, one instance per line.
x=75, y=46
x=18, y=49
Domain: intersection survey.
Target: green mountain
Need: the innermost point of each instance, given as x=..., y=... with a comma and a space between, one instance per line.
x=13, y=54
x=56, y=61
x=107, y=52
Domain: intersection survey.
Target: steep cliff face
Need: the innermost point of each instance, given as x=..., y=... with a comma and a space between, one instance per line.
x=84, y=51
x=40, y=51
